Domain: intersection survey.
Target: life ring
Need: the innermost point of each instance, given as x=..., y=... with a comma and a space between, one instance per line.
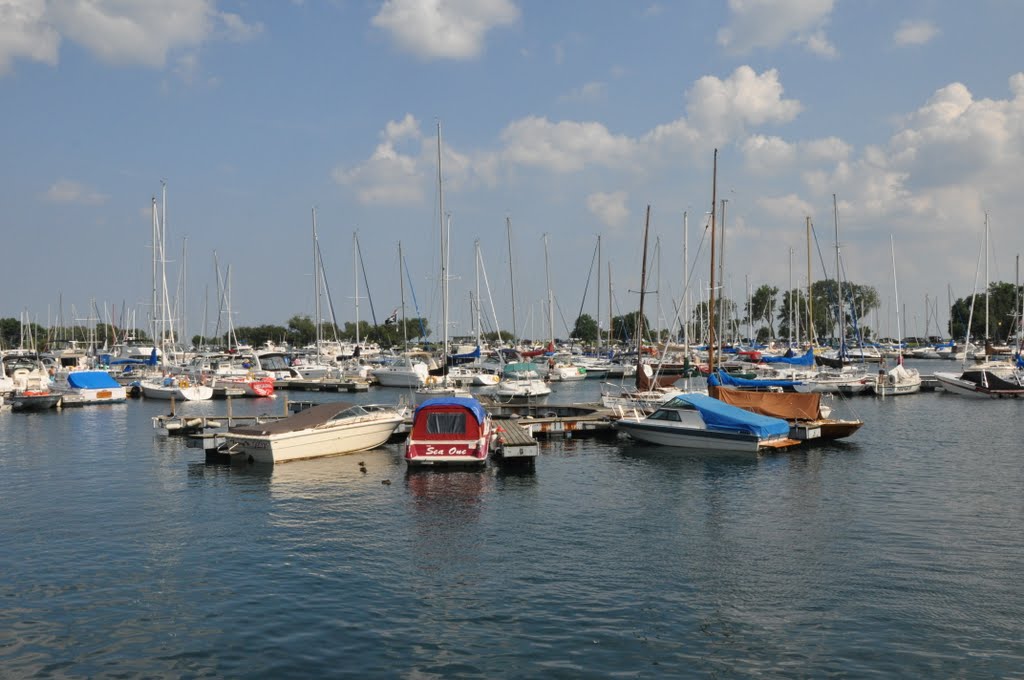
x=183, y=383
x=432, y=380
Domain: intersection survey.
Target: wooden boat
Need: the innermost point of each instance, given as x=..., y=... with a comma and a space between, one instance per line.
x=800, y=410
x=323, y=430
x=450, y=431
x=697, y=421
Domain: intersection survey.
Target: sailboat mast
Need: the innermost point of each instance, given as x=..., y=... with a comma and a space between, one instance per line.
x=686, y=285
x=810, y=299
x=896, y=291
x=551, y=306
x=987, y=280
x=643, y=291
x=711, y=288
x=316, y=286
x=598, y=290
x=355, y=276
x=512, y=277
x=401, y=288
x=839, y=282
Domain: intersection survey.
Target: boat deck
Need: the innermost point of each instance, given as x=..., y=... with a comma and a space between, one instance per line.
x=515, y=442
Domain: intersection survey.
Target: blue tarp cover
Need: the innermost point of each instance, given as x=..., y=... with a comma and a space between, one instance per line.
x=806, y=359
x=465, y=402
x=722, y=378
x=91, y=380
x=721, y=416
x=475, y=354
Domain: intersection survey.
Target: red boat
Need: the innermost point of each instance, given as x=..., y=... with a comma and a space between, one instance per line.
x=450, y=431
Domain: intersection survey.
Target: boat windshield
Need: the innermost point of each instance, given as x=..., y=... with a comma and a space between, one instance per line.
x=350, y=413
x=665, y=414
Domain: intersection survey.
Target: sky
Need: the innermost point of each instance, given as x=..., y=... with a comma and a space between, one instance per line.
x=565, y=119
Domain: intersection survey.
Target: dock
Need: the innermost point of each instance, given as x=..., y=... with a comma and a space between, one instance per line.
x=515, y=443
x=323, y=385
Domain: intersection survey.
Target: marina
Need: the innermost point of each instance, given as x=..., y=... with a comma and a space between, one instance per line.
x=675, y=562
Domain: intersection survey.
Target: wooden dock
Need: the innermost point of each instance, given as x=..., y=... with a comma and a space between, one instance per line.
x=515, y=442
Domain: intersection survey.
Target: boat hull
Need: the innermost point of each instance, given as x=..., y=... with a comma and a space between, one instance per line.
x=316, y=442
x=690, y=438
x=33, y=401
x=953, y=384
x=168, y=392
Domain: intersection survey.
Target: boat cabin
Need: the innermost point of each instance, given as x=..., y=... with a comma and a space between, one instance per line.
x=449, y=430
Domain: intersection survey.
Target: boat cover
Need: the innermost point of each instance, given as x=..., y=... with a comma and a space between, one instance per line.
x=474, y=406
x=719, y=378
x=721, y=416
x=91, y=380
x=785, y=405
x=806, y=359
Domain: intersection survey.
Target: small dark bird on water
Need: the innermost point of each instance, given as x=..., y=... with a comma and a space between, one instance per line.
x=363, y=470
x=386, y=482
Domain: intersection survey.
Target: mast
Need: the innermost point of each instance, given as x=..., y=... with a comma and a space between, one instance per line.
x=686, y=286
x=987, y=280
x=598, y=291
x=839, y=283
x=643, y=290
x=355, y=276
x=316, y=287
x=810, y=299
x=512, y=277
x=896, y=290
x=401, y=288
x=551, y=302
x=792, y=303
x=721, y=276
x=609, y=306
x=156, y=249
x=476, y=269
x=711, y=288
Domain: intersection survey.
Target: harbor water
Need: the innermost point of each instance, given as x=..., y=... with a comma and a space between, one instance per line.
x=896, y=553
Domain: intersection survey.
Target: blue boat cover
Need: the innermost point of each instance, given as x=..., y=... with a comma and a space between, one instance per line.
x=719, y=378
x=724, y=417
x=469, y=403
x=806, y=359
x=91, y=380
x=475, y=354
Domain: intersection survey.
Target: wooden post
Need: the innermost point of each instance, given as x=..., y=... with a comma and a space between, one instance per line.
x=229, y=410
x=172, y=404
x=286, y=406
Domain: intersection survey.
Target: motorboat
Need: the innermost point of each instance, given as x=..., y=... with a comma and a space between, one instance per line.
x=520, y=384
x=94, y=387
x=411, y=369
x=322, y=430
x=449, y=431
x=994, y=380
x=696, y=421
x=31, y=386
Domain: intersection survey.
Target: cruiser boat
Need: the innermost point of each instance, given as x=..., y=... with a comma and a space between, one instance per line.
x=450, y=431
x=324, y=430
x=95, y=387
x=696, y=421
x=994, y=380
x=31, y=387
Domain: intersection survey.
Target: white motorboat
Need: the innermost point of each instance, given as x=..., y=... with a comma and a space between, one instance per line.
x=408, y=370
x=994, y=380
x=695, y=421
x=94, y=387
x=323, y=430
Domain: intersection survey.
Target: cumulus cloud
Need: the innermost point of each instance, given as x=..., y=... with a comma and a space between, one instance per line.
x=768, y=24
x=443, y=29
x=388, y=176
x=115, y=31
x=788, y=208
x=726, y=108
x=69, y=191
x=566, y=146
x=913, y=33
x=610, y=208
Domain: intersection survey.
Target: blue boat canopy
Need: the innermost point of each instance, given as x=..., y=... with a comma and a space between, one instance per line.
x=724, y=417
x=806, y=359
x=91, y=380
x=720, y=378
x=474, y=406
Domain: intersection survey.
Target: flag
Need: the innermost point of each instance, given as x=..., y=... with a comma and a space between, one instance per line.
x=391, y=319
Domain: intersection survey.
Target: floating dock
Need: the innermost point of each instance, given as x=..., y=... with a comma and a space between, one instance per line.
x=515, y=443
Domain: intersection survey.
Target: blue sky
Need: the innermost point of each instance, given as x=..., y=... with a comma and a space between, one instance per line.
x=567, y=117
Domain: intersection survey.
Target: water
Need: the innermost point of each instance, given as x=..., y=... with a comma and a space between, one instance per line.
x=895, y=553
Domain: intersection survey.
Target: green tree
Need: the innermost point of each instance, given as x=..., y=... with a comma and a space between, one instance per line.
x=1002, y=305
x=301, y=330
x=624, y=327
x=585, y=328
x=762, y=306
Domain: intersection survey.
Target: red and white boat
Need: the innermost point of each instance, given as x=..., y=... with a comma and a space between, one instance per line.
x=254, y=386
x=449, y=431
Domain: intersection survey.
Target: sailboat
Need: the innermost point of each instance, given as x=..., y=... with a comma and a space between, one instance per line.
x=169, y=385
x=899, y=379
x=441, y=386
x=560, y=368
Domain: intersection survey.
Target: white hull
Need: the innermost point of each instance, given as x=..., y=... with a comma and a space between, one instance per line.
x=684, y=438
x=110, y=395
x=317, y=442
x=389, y=378
x=168, y=392
x=952, y=383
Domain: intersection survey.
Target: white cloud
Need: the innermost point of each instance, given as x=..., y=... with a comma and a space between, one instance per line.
x=388, y=176
x=724, y=109
x=566, y=146
x=768, y=24
x=24, y=33
x=610, y=208
x=912, y=33
x=588, y=92
x=115, y=31
x=788, y=208
x=443, y=29
x=69, y=191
